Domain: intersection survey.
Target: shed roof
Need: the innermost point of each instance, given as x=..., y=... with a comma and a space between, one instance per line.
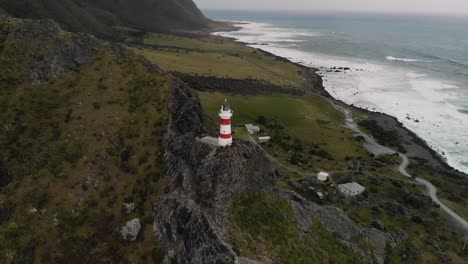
x=352, y=187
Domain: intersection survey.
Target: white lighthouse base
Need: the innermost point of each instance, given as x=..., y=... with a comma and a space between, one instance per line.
x=223, y=142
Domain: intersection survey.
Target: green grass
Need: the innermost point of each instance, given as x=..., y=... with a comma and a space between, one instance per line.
x=452, y=189
x=308, y=119
x=241, y=133
x=262, y=221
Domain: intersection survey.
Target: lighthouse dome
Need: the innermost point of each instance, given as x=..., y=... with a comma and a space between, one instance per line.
x=226, y=106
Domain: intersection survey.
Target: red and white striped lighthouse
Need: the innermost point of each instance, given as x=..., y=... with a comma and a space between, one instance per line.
x=225, y=137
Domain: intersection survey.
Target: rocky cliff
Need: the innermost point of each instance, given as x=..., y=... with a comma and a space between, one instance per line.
x=192, y=217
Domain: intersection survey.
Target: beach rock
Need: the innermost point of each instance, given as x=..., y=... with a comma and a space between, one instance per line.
x=130, y=230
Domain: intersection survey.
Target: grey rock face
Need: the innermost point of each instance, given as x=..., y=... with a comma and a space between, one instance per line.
x=191, y=217
x=65, y=52
x=335, y=221
x=129, y=207
x=130, y=230
x=64, y=57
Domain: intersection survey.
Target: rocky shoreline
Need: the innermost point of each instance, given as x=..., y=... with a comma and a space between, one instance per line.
x=415, y=146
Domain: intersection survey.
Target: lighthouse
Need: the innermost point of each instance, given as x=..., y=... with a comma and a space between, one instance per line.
x=225, y=137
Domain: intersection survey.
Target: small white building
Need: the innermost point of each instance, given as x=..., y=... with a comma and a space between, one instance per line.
x=263, y=139
x=351, y=188
x=252, y=129
x=323, y=176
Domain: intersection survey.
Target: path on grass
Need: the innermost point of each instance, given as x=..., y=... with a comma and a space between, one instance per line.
x=374, y=147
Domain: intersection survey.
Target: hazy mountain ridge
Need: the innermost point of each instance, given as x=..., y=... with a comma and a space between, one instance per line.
x=99, y=17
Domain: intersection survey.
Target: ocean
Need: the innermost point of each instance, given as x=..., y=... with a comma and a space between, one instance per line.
x=414, y=68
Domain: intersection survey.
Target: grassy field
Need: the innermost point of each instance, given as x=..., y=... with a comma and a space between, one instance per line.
x=308, y=119
x=218, y=57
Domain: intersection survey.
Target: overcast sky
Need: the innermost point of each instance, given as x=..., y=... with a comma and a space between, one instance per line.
x=392, y=6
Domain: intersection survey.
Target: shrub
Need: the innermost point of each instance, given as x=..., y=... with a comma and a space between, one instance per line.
x=157, y=255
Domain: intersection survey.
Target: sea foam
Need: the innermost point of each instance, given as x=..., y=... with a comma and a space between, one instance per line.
x=391, y=58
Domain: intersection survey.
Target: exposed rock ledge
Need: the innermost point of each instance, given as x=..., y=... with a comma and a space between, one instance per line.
x=192, y=214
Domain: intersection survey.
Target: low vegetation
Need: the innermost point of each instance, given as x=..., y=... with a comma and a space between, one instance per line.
x=73, y=151
x=278, y=233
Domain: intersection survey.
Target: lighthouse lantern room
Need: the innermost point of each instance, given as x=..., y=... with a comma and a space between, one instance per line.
x=225, y=137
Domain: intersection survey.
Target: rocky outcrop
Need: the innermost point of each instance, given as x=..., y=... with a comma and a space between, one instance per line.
x=51, y=52
x=48, y=52
x=335, y=221
x=64, y=57
x=130, y=230
x=191, y=217
x=129, y=207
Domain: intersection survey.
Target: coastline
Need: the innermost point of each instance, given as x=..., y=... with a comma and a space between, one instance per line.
x=414, y=146
x=387, y=121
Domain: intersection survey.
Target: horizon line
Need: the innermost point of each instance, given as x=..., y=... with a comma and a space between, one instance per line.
x=365, y=12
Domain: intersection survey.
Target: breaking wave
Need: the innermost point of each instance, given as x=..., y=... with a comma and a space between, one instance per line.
x=390, y=58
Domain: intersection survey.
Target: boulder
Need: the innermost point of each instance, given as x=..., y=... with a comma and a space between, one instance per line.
x=130, y=230
x=129, y=207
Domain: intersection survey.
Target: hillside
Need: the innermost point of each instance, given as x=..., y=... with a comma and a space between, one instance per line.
x=82, y=126
x=308, y=135
x=100, y=161
x=101, y=17
x=90, y=174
